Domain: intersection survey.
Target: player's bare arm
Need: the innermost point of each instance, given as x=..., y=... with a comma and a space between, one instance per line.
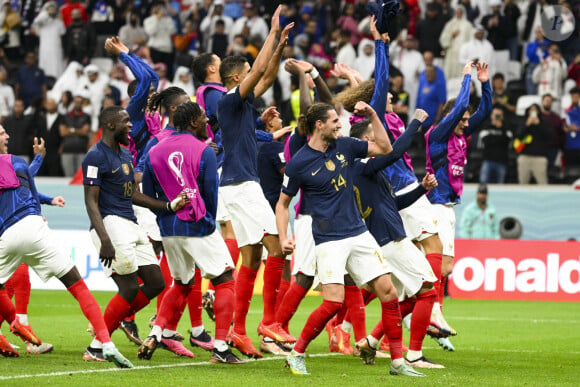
x=107, y=252
x=174, y=205
x=249, y=83
x=274, y=64
x=382, y=145
x=282, y=218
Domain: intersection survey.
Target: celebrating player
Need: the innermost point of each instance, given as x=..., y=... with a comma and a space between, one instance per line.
x=123, y=247
x=252, y=218
x=446, y=159
x=25, y=237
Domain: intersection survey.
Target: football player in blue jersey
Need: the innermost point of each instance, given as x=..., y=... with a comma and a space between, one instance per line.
x=25, y=237
x=323, y=170
x=252, y=218
x=123, y=247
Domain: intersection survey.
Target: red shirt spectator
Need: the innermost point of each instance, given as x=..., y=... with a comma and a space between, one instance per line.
x=67, y=9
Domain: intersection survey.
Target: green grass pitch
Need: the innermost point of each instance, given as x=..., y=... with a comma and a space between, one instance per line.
x=499, y=343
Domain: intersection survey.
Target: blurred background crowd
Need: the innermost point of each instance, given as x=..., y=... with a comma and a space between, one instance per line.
x=55, y=76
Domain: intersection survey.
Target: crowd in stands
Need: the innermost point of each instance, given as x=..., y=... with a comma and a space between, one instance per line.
x=55, y=77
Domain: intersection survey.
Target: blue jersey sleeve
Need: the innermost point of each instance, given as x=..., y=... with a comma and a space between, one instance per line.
x=44, y=199
x=296, y=142
x=355, y=149
x=291, y=181
x=144, y=76
x=483, y=110
x=212, y=97
x=150, y=144
x=35, y=165
x=405, y=200
x=444, y=129
x=149, y=178
x=379, y=99
x=264, y=136
x=93, y=168
x=400, y=146
x=207, y=180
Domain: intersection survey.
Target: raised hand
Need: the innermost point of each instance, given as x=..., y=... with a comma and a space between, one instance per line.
x=363, y=109
x=305, y=66
x=269, y=113
x=374, y=31
x=467, y=68
x=482, y=73
x=276, y=20
x=38, y=147
x=291, y=65
x=284, y=35
x=420, y=115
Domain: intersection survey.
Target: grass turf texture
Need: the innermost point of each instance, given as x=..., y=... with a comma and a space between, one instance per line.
x=499, y=343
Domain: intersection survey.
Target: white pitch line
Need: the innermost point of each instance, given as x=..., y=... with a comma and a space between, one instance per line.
x=527, y=320
x=83, y=372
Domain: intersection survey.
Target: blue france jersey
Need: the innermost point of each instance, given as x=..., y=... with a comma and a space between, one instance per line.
x=376, y=202
x=237, y=120
x=113, y=173
x=270, y=163
x=17, y=203
x=326, y=182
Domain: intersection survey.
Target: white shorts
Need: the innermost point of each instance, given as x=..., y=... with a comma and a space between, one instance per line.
x=360, y=256
x=148, y=222
x=410, y=267
x=132, y=248
x=222, y=214
x=251, y=214
x=304, y=254
x=208, y=253
x=419, y=218
x=446, y=219
x=30, y=241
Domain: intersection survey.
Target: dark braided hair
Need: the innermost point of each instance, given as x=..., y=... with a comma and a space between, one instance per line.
x=186, y=113
x=164, y=98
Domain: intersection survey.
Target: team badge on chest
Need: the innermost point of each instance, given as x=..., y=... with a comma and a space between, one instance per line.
x=330, y=165
x=126, y=169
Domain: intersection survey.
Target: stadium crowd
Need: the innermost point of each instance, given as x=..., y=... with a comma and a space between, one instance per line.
x=335, y=93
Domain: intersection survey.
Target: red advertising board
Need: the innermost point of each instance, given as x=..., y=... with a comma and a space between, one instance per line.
x=516, y=270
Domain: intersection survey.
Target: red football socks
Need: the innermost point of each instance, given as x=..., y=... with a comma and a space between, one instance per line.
x=194, y=301
x=435, y=263
x=117, y=309
x=292, y=299
x=282, y=290
x=244, y=290
x=316, y=322
x=21, y=278
x=234, y=250
x=173, y=306
x=90, y=309
x=353, y=299
x=421, y=318
x=223, y=308
x=392, y=325
x=272, y=278
x=7, y=309
x=166, y=273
